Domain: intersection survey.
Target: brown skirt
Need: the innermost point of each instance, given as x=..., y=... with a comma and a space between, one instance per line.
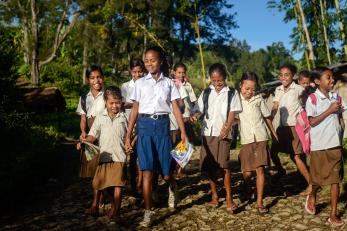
x=88, y=168
x=325, y=167
x=214, y=154
x=254, y=155
x=289, y=141
x=108, y=175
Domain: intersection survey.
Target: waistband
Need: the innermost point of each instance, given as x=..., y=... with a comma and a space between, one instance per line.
x=154, y=116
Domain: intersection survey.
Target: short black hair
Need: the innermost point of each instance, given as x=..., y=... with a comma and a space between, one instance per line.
x=136, y=63
x=304, y=74
x=180, y=65
x=317, y=72
x=291, y=67
x=113, y=91
x=220, y=68
x=93, y=68
x=164, y=67
x=249, y=75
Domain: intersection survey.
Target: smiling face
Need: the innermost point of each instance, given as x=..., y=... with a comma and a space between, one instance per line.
x=326, y=81
x=286, y=77
x=152, y=62
x=248, y=89
x=136, y=72
x=180, y=73
x=304, y=81
x=113, y=105
x=96, y=81
x=217, y=80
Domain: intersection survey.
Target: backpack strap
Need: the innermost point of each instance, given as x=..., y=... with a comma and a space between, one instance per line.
x=84, y=102
x=313, y=98
x=231, y=93
x=205, y=96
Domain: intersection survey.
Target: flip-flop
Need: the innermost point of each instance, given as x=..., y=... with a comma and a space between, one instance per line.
x=262, y=210
x=232, y=208
x=213, y=204
x=335, y=224
x=312, y=212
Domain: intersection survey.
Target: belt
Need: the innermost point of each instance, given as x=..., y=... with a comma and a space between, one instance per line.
x=154, y=116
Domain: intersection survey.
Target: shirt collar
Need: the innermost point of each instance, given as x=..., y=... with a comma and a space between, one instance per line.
x=251, y=99
x=225, y=88
x=100, y=93
x=149, y=76
x=291, y=86
x=105, y=113
x=322, y=96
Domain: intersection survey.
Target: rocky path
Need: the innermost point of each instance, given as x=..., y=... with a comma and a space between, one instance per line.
x=193, y=212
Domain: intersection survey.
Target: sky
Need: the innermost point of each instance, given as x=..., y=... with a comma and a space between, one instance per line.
x=261, y=26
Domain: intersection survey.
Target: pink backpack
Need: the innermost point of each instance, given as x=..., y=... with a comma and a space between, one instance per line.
x=302, y=126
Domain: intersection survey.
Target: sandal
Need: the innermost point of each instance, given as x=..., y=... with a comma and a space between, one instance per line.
x=334, y=223
x=232, y=208
x=262, y=210
x=213, y=204
x=312, y=212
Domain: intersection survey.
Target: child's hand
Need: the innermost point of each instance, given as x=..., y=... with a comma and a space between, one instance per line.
x=128, y=147
x=78, y=146
x=195, y=117
x=184, y=138
x=334, y=107
x=224, y=132
x=83, y=136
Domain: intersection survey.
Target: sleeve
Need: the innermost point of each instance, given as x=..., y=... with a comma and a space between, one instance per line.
x=174, y=91
x=265, y=111
x=191, y=93
x=276, y=97
x=136, y=95
x=95, y=129
x=183, y=91
x=79, y=110
x=124, y=92
x=310, y=108
x=186, y=112
x=199, y=107
x=235, y=103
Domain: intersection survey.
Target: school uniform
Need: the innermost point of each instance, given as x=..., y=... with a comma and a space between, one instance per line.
x=288, y=108
x=254, y=136
x=191, y=95
x=110, y=133
x=154, y=142
x=93, y=107
x=127, y=90
x=326, y=153
x=215, y=152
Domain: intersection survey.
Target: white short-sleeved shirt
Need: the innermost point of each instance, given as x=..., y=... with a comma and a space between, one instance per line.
x=217, y=110
x=127, y=90
x=111, y=134
x=289, y=103
x=327, y=133
x=252, y=125
x=155, y=97
x=183, y=96
x=94, y=105
x=191, y=94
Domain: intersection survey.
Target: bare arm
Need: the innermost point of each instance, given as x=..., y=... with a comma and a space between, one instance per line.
x=274, y=109
x=83, y=126
x=178, y=115
x=132, y=120
x=342, y=122
x=268, y=122
x=334, y=107
x=227, y=126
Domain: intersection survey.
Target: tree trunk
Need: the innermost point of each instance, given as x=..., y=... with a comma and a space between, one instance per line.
x=35, y=69
x=342, y=31
x=322, y=11
x=197, y=29
x=302, y=37
x=85, y=60
x=308, y=39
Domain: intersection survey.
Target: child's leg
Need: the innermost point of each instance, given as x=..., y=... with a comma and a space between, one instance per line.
x=260, y=186
x=94, y=209
x=334, y=194
x=312, y=198
x=301, y=165
x=276, y=160
x=227, y=185
x=147, y=189
x=247, y=178
x=133, y=172
x=213, y=185
x=116, y=200
x=139, y=180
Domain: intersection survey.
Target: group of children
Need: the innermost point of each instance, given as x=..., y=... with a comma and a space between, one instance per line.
x=137, y=120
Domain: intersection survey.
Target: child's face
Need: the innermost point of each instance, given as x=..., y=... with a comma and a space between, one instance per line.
x=326, y=81
x=113, y=105
x=248, y=89
x=217, y=81
x=304, y=81
x=136, y=73
x=286, y=77
x=152, y=62
x=180, y=73
x=96, y=80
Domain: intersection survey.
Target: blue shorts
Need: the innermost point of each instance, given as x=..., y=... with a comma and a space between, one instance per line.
x=154, y=145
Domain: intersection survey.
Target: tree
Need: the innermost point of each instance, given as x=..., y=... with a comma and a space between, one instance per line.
x=35, y=16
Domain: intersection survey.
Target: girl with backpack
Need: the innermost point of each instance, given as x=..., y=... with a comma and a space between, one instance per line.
x=217, y=106
x=254, y=155
x=325, y=118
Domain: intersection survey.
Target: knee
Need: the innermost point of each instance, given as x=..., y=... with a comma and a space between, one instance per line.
x=167, y=178
x=260, y=171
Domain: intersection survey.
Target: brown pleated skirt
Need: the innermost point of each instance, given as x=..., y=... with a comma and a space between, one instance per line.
x=214, y=154
x=109, y=174
x=254, y=155
x=325, y=167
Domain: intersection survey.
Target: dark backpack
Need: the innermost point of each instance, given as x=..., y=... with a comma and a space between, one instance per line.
x=84, y=102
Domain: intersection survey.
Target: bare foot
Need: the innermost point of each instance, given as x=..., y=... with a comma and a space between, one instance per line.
x=214, y=202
